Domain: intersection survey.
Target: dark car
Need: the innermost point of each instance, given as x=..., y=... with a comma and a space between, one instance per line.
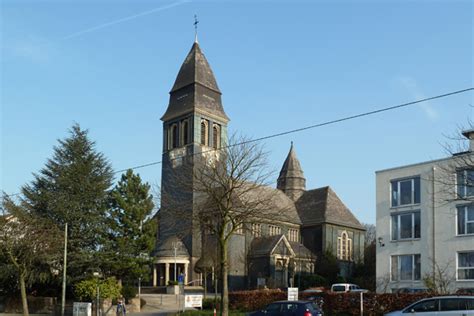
x=290, y=308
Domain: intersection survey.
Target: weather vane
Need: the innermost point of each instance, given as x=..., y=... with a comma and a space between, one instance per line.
x=195, y=28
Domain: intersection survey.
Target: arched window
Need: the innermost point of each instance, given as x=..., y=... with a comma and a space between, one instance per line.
x=344, y=247
x=174, y=136
x=216, y=136
x=204, y=133
x=185, y=131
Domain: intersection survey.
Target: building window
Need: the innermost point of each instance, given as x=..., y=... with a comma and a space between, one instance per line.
x=274, y=230
x=204, y=133
x=256, y=230
x=466, y=265
x=185, y=132
x=293, y=234
x=216, y=136
x=406, y=226
x=466, y=219
x=465, y=183
x=173, y=136
x=405, y=191
x=406, y=268
x=344, y=247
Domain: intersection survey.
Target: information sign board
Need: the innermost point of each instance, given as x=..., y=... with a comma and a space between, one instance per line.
x=193, y=301
x=292, y=293
x=81, y=309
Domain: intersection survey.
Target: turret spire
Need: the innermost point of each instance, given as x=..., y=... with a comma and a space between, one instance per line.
x=291, y=179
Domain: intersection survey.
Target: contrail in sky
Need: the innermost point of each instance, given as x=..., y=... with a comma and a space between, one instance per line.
x=128, y=18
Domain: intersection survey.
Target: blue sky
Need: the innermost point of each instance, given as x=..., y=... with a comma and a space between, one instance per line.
x=109, y=66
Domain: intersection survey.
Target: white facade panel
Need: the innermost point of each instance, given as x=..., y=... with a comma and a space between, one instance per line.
x=438, y=243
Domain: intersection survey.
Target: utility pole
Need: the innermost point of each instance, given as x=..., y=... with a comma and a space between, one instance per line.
x=63, y=299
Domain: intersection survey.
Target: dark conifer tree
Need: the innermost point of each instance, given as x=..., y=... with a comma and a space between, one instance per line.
x=73, y=187
x=131, y=228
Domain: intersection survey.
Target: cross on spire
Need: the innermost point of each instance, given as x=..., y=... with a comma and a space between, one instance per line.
x=195, y=28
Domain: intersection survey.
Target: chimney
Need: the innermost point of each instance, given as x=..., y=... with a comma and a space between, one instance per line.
x=469, y=134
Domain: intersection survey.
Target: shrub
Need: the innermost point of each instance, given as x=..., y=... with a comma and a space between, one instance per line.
x=129, y=292
x=309, y=280
x=171, y=282
x=254, y=300
x=211, y=303
x=86, y=290
x=334, y=304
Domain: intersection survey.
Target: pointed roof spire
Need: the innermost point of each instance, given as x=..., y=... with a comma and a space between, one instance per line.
x=195, y=69
x=291, y=179
x=291, y=167
x=195, y=89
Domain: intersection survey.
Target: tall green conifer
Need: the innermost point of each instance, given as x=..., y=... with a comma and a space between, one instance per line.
x=73, y=187
x=131, y=228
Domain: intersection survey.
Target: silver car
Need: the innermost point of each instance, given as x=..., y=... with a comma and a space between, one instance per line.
x=439, y=306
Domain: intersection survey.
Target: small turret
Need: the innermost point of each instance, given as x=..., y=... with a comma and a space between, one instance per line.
x=291, y=179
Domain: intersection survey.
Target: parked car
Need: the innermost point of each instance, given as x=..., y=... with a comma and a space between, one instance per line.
x=347, y=287
x=290, y=308
x=439, y=306
x=412, y=290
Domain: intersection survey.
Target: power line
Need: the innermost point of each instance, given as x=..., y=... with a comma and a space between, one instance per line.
x=339, y=120
x=347, y=118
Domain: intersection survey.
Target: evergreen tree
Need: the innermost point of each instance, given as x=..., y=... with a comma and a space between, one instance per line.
x=131, y=228
x=73, y=187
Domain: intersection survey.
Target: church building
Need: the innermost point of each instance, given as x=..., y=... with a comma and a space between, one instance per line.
x=269, y=253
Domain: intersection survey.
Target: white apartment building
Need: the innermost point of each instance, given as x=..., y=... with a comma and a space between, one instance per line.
x=425, y=223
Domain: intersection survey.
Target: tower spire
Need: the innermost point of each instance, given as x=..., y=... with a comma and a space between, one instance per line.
x=195, y=28
x=291, y=179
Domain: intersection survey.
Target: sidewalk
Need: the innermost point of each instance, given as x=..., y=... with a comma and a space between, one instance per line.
x=159, y=304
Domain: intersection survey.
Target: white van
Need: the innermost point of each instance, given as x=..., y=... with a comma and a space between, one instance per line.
x=346, y=287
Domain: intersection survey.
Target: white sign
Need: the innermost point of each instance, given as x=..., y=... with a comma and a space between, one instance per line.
x=292, y=293
x=193, y=301
x=81, y=309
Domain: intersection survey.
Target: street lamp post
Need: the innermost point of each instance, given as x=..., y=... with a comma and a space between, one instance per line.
x=98, y=275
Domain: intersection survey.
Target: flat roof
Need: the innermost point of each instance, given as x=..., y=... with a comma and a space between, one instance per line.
x=414, y=164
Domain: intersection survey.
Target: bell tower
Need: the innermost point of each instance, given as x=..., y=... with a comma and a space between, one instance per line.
x=194, y=124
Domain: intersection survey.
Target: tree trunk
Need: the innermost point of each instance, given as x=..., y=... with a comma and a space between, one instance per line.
x=225, y=286
x=24, y=300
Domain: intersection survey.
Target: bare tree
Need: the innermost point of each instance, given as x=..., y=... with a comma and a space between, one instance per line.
x=229, y=191
x=455, y=178
x=439, y=282
x=383, y=283
x=369, y=233
x=30, y=244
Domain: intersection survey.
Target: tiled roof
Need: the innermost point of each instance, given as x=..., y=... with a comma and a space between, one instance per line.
x=324, y=206
x=166, y=248
x=195, y=89
x=263, y=246
x=195, y=69
x=277, y=205
x=291, y=167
